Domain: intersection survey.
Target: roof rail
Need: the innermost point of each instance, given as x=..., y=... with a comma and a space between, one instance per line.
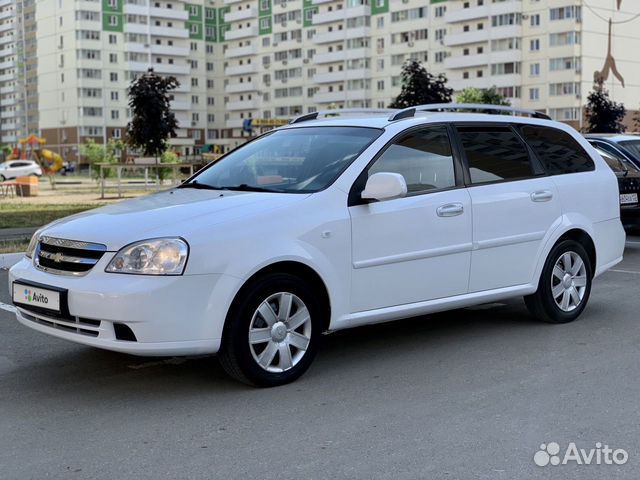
x=493, y=109
x=340, y=111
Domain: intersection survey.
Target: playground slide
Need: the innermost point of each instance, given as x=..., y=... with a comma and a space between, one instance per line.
x=52, y=157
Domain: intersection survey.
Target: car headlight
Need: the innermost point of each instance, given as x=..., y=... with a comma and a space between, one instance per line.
x=33, y=244
x=157, y=256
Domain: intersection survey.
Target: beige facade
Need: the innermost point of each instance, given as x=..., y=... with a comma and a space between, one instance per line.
x=246, y=64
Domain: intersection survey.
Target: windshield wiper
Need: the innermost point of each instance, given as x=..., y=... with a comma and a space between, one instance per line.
x=243, y=187
x=195, y=184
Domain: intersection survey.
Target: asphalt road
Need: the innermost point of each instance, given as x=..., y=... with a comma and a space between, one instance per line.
x=461, y=395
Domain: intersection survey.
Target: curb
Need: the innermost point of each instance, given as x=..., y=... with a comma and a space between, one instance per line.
x=8, y=260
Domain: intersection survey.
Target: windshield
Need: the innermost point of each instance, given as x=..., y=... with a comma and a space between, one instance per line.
x=633, y=146
x=296, y=160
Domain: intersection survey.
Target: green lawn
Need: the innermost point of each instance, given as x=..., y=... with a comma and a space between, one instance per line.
x=13, y=246
x=19, y=215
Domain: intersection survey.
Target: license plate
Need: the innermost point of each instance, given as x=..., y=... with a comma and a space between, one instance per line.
x=626, y=198
x=36, y=297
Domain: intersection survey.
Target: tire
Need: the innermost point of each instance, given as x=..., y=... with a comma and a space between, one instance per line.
x=261, y=310
x=562, y=292
x=2, y=178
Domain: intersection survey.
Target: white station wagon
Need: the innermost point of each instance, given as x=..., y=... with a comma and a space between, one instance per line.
x=331, y=222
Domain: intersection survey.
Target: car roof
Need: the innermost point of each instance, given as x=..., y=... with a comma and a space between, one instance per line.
x=612, y=137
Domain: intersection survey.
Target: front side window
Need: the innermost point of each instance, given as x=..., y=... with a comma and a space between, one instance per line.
x=557, y=150
x=494, y=154
x=294, y=160
x=423, y=157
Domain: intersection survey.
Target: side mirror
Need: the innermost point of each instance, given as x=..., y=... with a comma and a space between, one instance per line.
x=384, y=186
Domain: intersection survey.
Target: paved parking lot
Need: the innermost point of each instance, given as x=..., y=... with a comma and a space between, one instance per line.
x=466, y=394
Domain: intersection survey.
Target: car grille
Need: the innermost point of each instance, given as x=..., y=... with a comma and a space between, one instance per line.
x=67, y=257
x=629, y=185
x=81, y=326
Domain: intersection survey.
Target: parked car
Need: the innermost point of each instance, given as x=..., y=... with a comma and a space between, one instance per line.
x=19, y=168
x=621, y=145
x=334, y=221
x=628, y=185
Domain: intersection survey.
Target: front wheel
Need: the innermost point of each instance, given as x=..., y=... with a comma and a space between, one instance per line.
x=565, y=284
x=273, y=331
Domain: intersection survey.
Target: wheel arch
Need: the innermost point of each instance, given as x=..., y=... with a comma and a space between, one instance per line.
x=293, y=267
x=584, y=239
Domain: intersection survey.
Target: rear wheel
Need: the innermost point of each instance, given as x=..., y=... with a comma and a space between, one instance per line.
x=564, y=286
x=273, y=332
x=2, y=178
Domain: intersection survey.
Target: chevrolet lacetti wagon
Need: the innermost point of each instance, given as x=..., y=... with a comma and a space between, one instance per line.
x=328, y=223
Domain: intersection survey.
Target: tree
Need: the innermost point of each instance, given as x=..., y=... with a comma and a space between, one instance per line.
x=168, y=156
x=420, y=87
x=603, y=114
x=485, y=96
x=99, y=153
x=152, y=121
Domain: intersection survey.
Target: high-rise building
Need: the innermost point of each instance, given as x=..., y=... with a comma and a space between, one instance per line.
x=247, y=65
x=18, y=80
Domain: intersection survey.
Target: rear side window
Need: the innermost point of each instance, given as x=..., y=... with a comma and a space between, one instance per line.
x=494, y=154
x=557, y=151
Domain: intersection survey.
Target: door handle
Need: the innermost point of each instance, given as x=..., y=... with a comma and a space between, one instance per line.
x=450, y=210
x=542, y=196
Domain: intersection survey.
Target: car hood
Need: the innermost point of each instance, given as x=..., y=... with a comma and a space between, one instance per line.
x=175, y=212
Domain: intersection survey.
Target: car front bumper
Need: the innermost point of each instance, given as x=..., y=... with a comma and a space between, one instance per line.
x=169, y=315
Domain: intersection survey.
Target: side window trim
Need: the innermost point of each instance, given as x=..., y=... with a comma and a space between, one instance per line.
x=458, y=168
x=532, y=159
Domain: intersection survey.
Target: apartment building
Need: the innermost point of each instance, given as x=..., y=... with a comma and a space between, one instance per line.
x=18, y=81
x=247, y=65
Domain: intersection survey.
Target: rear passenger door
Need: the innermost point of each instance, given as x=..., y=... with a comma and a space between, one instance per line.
x=514, y=206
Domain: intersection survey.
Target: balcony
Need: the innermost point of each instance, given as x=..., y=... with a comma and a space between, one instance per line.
x=464, y=38
x=510, y=80
x=234, y=123
x=7, y=64
x=340, y=35
x=167, y=68
x=466, y=14
x=7, y=39
x=466, y=61
x=241, y=51
x=241, y=69
x=342, y=14
x=183, y=88
x=243, y=14
x=170, y=13
x=338, y=97
x=170, y=50
x=342, y=76
x=9, y=139
x=320, y=2
x=241, y=33
x=243, y=105
x=173, y=32
x=10, y=89
x=183, y=120
x=180, y=105
x=143, y=29
x=231, y=2
x=342, y=55
x=240, y=87
x=7, y=14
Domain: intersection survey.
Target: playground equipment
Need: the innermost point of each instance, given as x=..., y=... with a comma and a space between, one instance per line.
x=50, y=162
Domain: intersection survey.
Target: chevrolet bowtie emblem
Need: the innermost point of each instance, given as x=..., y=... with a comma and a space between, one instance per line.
x=57, y=257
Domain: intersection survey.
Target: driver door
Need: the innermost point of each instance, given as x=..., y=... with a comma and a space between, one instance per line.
x=418, y=247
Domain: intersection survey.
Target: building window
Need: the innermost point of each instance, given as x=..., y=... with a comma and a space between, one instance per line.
x=534, y=94
x=534, y=69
